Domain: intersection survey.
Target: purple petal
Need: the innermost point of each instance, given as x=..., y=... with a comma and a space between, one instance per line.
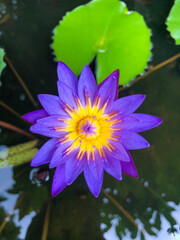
x=59, y=180
x=87, y=83
x=119, y=152
x=51, y=104
x=93, y=183
x=74, y=168
x=145, y=122
x=66, y=94
x=53, y=121
x=126, y=122
x=32, y=117
x=132, y=141
x=45, y=153
x=129, y=167
x=58, y=158
x=127, y=105
x=108, y=89
x=45, y=131
x=96, y=166
x=66, y=76
x=113, y=167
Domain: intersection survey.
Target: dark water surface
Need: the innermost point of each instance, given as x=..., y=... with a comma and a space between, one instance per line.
x=153, y=200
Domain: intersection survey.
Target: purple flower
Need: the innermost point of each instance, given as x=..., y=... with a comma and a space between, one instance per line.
x=90, y=129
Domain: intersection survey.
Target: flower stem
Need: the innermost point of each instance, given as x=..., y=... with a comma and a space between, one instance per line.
x=3, y=104
x=126, y=214
x=20, y=80
x=46, y=221
x=16, y=129
x=158, y=66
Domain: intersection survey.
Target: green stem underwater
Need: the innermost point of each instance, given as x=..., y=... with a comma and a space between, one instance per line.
x=7, y=60
x=4, y=105
x=16, y=129
x=126, y=214
x=158, y=66
x=46, y=221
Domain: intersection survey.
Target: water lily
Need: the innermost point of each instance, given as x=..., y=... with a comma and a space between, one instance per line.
x=91, y=130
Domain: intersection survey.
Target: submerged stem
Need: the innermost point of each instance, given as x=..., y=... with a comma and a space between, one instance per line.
x=126, y=214
x=158, y=66
x=16, y=129
x=46, y=221
x=3, y=104
x=2, y=226
x=20, y=80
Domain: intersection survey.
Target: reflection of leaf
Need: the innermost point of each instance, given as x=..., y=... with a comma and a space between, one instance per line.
x=33, y=196
x=105, y=28
x=74, y=215
x=11, y=231
x=136, y=203
x=173, y=21
x=19, y=154
x=2, y=63
x=34, y=203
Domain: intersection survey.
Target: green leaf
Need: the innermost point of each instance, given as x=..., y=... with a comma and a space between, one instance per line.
x=2, y=63
x=103, y=28
x=18, y=154
x=173, y=22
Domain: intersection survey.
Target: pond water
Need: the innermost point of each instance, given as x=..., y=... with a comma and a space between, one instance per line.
x=147, y=208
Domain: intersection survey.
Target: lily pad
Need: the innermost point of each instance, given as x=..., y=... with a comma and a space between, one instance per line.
x=107, y=30
x=173, y=22
x=2, y=63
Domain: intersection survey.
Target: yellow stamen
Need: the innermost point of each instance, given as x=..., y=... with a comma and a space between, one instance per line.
x=89, y=128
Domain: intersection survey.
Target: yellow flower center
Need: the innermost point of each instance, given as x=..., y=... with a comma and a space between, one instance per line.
x=89, y=128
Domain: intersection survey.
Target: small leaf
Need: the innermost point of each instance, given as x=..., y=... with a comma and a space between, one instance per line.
x=103, y=28
x=18, y=154
x=22, y=147
x=19, y=158
x=2, y=63
x=173, y=22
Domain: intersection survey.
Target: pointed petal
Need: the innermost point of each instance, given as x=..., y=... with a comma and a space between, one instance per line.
x=145, y=122
x=119, y=152
x=32, y=117
x=66, y=94
x=96, y=166
x=59, y=180
x=74, y=168
x=126, y=122
x=129, y=168
x=132, y=141
x=58, y=158
x=53, y=121
x=108, y=89
x=45, y=131
x=66, y=76
x=127, y=105
x=87, y=83
x=45, y=153
x=93, y=183
x=113, y=167
x=51, y=104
